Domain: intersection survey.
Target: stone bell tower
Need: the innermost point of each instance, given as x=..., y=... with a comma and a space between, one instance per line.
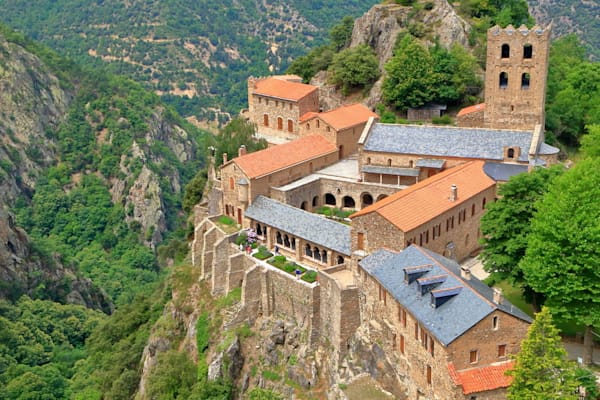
x=515, y=77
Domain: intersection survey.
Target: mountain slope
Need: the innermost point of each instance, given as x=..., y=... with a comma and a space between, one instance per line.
x=203, y=49
x=571, y=16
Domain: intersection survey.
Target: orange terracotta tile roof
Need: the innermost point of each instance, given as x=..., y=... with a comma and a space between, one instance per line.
x=423, y=201
x=471, y=109
x=344, y=116
x=283, y=89
x=476, y=380
x=274, y=158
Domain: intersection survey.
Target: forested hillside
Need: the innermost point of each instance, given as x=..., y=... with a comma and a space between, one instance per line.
x=571, y=16
x=200, y=49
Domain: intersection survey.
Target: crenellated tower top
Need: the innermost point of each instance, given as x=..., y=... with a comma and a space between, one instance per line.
x=516, y=72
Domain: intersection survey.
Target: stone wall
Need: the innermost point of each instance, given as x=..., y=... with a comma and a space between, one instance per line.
x=515, y=105
x=311, y=196
x=345, y=139
x=471, y=120
x=484, y=339
x=340, y=311
x=277, y=109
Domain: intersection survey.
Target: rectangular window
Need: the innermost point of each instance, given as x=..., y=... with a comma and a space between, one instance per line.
x=473, y=356
x=402, y=344
x=360, y=238
x=431, y=347
x=416, y=330
x=502, y=350
x=404, y=318
x=429, y=374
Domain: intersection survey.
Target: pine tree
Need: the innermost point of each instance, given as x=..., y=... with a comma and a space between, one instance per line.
x=541, y=371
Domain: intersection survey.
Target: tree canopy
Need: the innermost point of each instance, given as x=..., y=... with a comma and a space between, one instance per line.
x=541, y=370
x=507, y=221
x=563, y=251
x=235, y=134
x=354, y=68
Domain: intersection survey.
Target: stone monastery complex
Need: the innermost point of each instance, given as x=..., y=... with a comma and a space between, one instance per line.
x=391, y=272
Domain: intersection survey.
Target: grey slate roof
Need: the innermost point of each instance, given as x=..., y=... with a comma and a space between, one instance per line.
x=430, y=163
x=477, y=143
x=450, y=320
x=375, y=169
x=502, y=172
x=308, y=226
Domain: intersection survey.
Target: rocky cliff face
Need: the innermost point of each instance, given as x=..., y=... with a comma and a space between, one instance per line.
x=379, y=29
x=32, y=103
x=26, y=270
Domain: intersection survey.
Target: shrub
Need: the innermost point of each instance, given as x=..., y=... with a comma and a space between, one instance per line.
x=263, y=253
x=241, y=239
x=271, y=376
x=310, y=276
x=225, y=220
x=443, y=120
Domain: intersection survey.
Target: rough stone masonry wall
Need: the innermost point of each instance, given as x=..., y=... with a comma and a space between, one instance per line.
x=471, y=120
x=279, y=294
x=340, y=313
x=220, y=268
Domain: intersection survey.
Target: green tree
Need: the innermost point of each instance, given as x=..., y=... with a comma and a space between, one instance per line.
x=172, y=377
x=563, y=253
x=354, y=68
x=194, y=190
x=263, y=394
x=507, y=221
x=237, y=133
x=456, y=68
x=411, y=79
x=573, y=95
x=590, y=143
x=341, y=33
x=541, y=370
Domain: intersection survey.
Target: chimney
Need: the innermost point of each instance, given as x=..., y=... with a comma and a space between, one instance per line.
x=453, y=193
x=465, y=273
x=224, y=158
x=242, y=151
x=498, y=298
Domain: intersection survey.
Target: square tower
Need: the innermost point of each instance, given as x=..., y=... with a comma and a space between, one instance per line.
x=515, y=77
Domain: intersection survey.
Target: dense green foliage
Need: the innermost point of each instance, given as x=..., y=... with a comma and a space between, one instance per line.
x=541, y=371
x=507, y=221
x=563, y=247
x=112, y=367
x=573, y=95
x=417, y=75
x=354, y=68
x=40, y=343
x=230, y=138
x=174, y=44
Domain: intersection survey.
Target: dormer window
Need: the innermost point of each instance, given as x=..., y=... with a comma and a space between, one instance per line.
x=510, y=153
x=413, y=273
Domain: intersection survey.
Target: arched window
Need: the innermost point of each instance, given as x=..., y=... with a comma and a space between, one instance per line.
x=293, y=242
x=340, y=260
x=286, y=241
x=528, y=51
x=307, y=126
x=265, y=120
x=389, y=162
x=503, y=81
x=258, y=229
x=324, y=256
x=525, y=79
x=367, y=199
x=279, y=239
x=483, y=203
x=315, y=201
x=330, y=199
x=318, y=124
x=290, y=125
x=280, y=123
x=303, y=206
x=308, y=251
x=381, y=197
x=505, y=52
x=317, y=254
x=472, y=210
x=349, y=202
x=368, y=160
x=411, y=164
